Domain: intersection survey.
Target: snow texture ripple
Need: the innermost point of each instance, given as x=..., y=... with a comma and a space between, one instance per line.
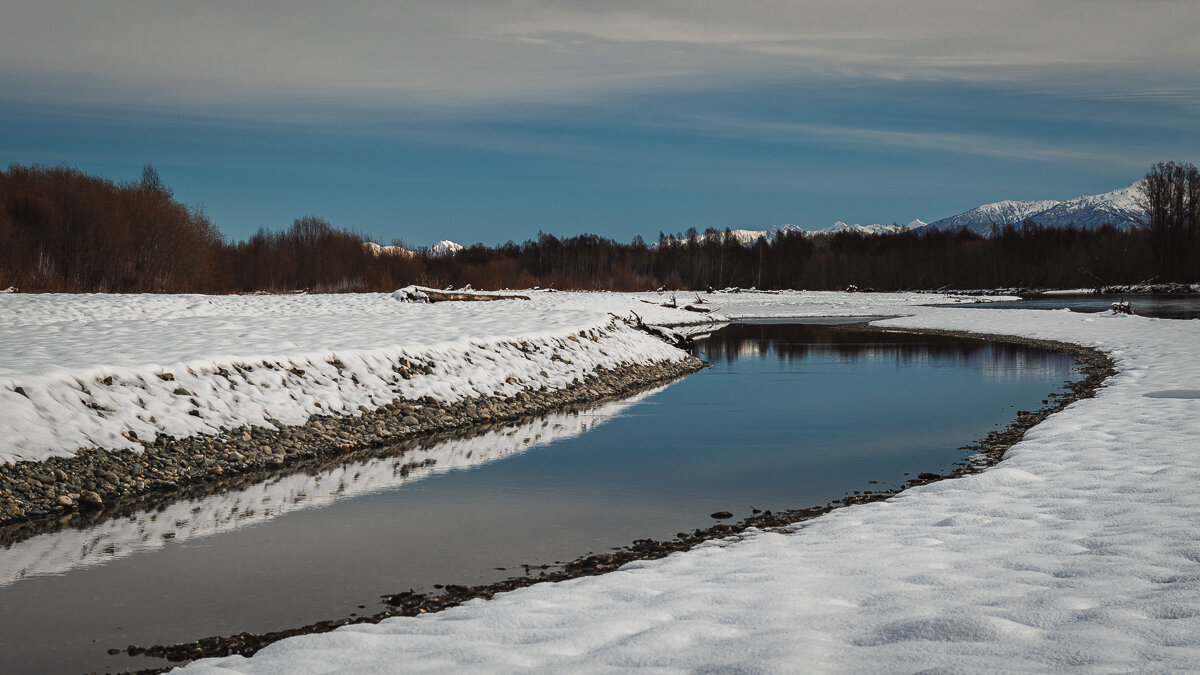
x=1078, y=551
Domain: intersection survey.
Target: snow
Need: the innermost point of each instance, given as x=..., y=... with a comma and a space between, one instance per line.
x=1069, y=291
x=59, y=552
x=377, y=250
x=1119, y=207
x=1078, y=551
x=839, y=226
x=751, y=237
x=747, y=237
x=237, y=360
x=981, y=218
x=445, y=247
x=248, y=360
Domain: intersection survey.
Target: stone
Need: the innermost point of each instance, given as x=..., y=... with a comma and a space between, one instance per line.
x=90, y=500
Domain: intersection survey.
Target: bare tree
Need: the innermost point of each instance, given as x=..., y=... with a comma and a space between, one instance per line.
x=1170, y=195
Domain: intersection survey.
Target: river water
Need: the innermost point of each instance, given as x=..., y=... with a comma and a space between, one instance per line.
x=789, y=415
x=1183, y=306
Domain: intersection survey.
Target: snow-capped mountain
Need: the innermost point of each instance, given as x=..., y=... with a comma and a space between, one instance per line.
x=377, y=250
x=445, y=247
x=1118, y=207
x=876, y=228
x=747, y=237
x=750, y=237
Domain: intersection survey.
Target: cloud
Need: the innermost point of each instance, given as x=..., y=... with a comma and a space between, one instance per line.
x=841, y=136
x=272, y=54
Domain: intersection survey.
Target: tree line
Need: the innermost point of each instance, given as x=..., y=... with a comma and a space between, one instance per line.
x=63, y=230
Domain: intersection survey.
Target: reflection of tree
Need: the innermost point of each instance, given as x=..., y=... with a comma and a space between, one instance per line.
x=794, y=342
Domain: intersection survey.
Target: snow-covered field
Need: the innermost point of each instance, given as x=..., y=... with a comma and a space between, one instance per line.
x=191, y=364
x=1080, y=551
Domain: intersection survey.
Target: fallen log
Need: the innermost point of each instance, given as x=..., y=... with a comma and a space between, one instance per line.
x=462, y=296
x=425, y=294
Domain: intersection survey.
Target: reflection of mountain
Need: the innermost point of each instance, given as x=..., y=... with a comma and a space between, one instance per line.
x=61, y=551
x=997, y=361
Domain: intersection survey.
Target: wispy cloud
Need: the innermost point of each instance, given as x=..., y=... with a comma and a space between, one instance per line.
x=951, y=143
x=237, y=55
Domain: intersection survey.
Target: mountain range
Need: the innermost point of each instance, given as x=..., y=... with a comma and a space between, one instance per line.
x=443, y=247
x=1118, y=208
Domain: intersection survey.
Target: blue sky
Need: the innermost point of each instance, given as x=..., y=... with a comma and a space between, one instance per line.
x=490, y=121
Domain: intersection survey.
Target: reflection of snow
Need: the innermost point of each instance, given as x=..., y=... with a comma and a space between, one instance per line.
x=61, y=551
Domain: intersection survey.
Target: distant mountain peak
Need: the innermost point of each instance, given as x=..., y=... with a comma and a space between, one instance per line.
x=1118, y=208
x=377, y=250
x=445, y=247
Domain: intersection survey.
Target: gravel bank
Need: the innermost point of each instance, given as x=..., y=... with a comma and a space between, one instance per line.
x=64, y=491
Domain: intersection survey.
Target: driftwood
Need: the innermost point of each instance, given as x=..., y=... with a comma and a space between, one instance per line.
x=426, y=294
x=466, y=296
x=665, y=334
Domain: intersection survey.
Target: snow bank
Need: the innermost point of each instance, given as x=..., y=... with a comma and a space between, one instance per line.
x=1079, y=551
x=87, y=370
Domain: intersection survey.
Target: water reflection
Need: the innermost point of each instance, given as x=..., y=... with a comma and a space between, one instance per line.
x=1182, y=306
x=797, y=343
x=788, y=416
x=59, y=552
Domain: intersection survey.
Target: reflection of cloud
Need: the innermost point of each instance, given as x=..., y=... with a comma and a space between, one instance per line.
x=466, y=51
x=60, y=552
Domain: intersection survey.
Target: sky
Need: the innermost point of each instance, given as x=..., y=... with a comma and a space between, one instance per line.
x=491, y=120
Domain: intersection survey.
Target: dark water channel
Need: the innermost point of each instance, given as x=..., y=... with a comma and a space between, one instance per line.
x=1184, y=306
x=789, y=415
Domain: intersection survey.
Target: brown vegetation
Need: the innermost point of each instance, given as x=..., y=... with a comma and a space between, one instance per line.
x=62, y=230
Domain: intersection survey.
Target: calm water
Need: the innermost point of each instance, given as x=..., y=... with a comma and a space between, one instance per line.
x=1161, y=306
x=788, y=416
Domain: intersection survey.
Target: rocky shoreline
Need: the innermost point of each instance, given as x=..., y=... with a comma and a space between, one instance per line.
x=1096, y=368
x=77, y=491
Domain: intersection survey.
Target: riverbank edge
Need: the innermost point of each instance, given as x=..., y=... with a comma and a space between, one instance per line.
x=111, y=482
x=1096, y=368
